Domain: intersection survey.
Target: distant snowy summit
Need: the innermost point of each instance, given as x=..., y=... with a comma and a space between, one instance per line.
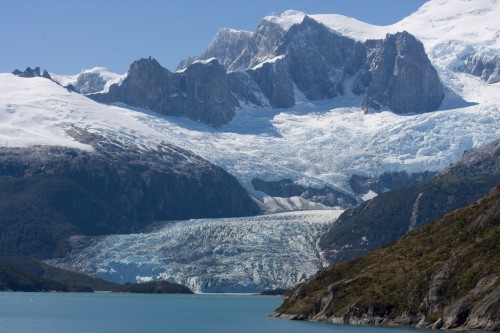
x=90, y=81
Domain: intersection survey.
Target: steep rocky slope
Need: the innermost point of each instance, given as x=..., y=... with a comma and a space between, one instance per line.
x=201, y=92
x=49, y=193
x=390, y=215
x=274, y=63
x=443, y=275
x=483, y=66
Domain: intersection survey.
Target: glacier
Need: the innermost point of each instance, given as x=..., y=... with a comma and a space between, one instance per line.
x=315, y=143
x=232, y=255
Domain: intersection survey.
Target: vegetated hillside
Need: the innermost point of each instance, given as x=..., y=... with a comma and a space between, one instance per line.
x=443, y=275
x=389, y=216
x=48, y=194
x=28, y=274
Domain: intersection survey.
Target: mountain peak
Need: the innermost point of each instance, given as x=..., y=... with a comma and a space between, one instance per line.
x=287, y=19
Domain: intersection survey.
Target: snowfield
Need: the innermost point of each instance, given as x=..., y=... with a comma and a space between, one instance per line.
x=314, y=143
x=211, y=255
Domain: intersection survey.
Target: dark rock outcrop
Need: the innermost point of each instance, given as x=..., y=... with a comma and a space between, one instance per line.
x=274, y=81
x=390, y=215
x=388, y=181
x=402, y=77
x=201, y=92
x=28, y=274
x=443, y=275
x=50, y=193
x=393, y=73
x=320, y=60
x=245, y=88
x=29, y=72
x=485, y=67
x=286, y=188
x=156, y=287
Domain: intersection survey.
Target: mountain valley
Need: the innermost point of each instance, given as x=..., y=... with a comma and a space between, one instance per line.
x=272, y=155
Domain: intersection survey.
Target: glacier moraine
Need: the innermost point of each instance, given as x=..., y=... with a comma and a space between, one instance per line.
x=232, y=255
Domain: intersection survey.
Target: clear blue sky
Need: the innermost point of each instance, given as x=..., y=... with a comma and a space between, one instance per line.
x=66, y=36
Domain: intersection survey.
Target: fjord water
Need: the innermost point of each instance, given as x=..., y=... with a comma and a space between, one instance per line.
x=75, y=313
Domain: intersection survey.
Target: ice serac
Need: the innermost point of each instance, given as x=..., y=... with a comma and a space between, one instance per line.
x=286, y=188
x=201, y=92
x=247, y=254
x=399, y=75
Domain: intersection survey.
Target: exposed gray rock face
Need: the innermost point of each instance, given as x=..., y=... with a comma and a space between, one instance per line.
x=388, y=181
x=286, y=188
x=308, y=57
x=228, y=44
x=275, y=83
x=485, y=67
x=50, y=193
x=201, y=92
x=394, y=72
x=320, y=60
x=29, y=72
x=402, y=77
x=240, y=50
x=245, y=88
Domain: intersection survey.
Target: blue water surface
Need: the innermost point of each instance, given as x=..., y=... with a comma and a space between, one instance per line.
x=94, y=313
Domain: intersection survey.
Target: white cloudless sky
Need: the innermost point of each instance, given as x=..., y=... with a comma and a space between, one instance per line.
x=65, y=36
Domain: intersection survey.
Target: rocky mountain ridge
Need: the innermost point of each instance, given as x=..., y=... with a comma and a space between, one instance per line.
x=51, y=193
x=201, y=92
x=393, y=73
x=29, y=72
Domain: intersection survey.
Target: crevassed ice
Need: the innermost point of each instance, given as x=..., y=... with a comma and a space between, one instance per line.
x=211, y=255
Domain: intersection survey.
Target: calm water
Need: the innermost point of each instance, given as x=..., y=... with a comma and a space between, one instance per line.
x=94, y=313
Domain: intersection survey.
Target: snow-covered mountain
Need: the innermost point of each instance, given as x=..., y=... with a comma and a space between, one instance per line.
x=282, y=65
x=319, y=142
x=90, y=81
